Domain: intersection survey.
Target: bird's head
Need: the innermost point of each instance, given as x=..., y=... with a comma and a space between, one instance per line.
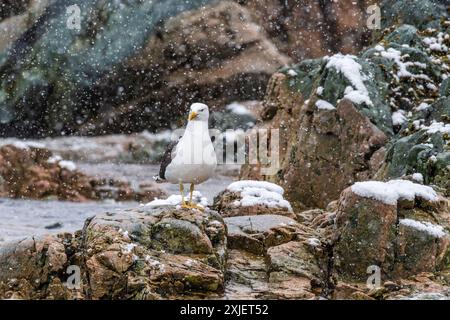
x=199, y=112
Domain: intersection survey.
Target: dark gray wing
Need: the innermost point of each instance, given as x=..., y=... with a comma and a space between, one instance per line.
x=166, y=159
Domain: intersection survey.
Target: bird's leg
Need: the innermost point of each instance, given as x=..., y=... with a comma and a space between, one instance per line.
x=183, y=203
x=192, y=205
x=190, y=195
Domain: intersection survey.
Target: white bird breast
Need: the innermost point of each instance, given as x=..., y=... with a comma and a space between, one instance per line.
x=194, y=160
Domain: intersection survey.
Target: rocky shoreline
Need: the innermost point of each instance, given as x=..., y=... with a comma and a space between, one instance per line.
x=164, y=252
x=358, y=208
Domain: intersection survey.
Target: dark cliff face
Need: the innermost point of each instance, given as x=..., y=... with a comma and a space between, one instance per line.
x=136, y=65
x=130, y=68
x=49, y=75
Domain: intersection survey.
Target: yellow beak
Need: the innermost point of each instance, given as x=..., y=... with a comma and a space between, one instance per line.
x=192, y=115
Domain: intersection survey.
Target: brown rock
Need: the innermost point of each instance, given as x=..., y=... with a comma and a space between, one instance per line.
x=257, y=233
x=29, y=268
x=317, y=160
x=293, y=269
x=26, y=172
x=365, y=233
x=326, y=27
x=401, y=239
x=122, y=256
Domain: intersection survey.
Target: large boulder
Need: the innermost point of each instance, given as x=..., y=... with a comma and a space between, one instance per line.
x=173, y=54
x=337, y=126
x=399, y=226
x=247, y=197
x=34, y=268
x=135, y=254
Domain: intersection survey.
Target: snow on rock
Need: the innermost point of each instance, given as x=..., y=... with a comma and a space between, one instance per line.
x=396, y=57
x=324, y=105
x=175, y=200
x=128, y=247
x=352, y=70
x=423, y=106
x=54, y=159
x=398, y=118
x=437, y=43
x=25, y=145
x=436, y=127
x=238, y=109
x=292, y=73
x=314, y=242
x=392, y=191
x=418, y=177
x=68, y=165
x=239, y=186
x=254, y=193
x=64, y=164
x=319, y=90
x=424, y=226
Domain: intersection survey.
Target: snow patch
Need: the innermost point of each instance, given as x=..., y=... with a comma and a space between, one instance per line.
x=436, y=43
x=54, y=159
x=239, y=186
x=255, y=193
x=398, y=118
x=424, y=226
x=392, y=191
x=418, y=177
x=175, y=200
x=68, y=165
x=403, y=72
x=436, y=127
x=238, y=109
x=64, y=164
x=128, y=247
x=324, y=105
x=423, y=106
x=313, y=242
x=319, y=91
x=352, y=70
x=292, y=73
